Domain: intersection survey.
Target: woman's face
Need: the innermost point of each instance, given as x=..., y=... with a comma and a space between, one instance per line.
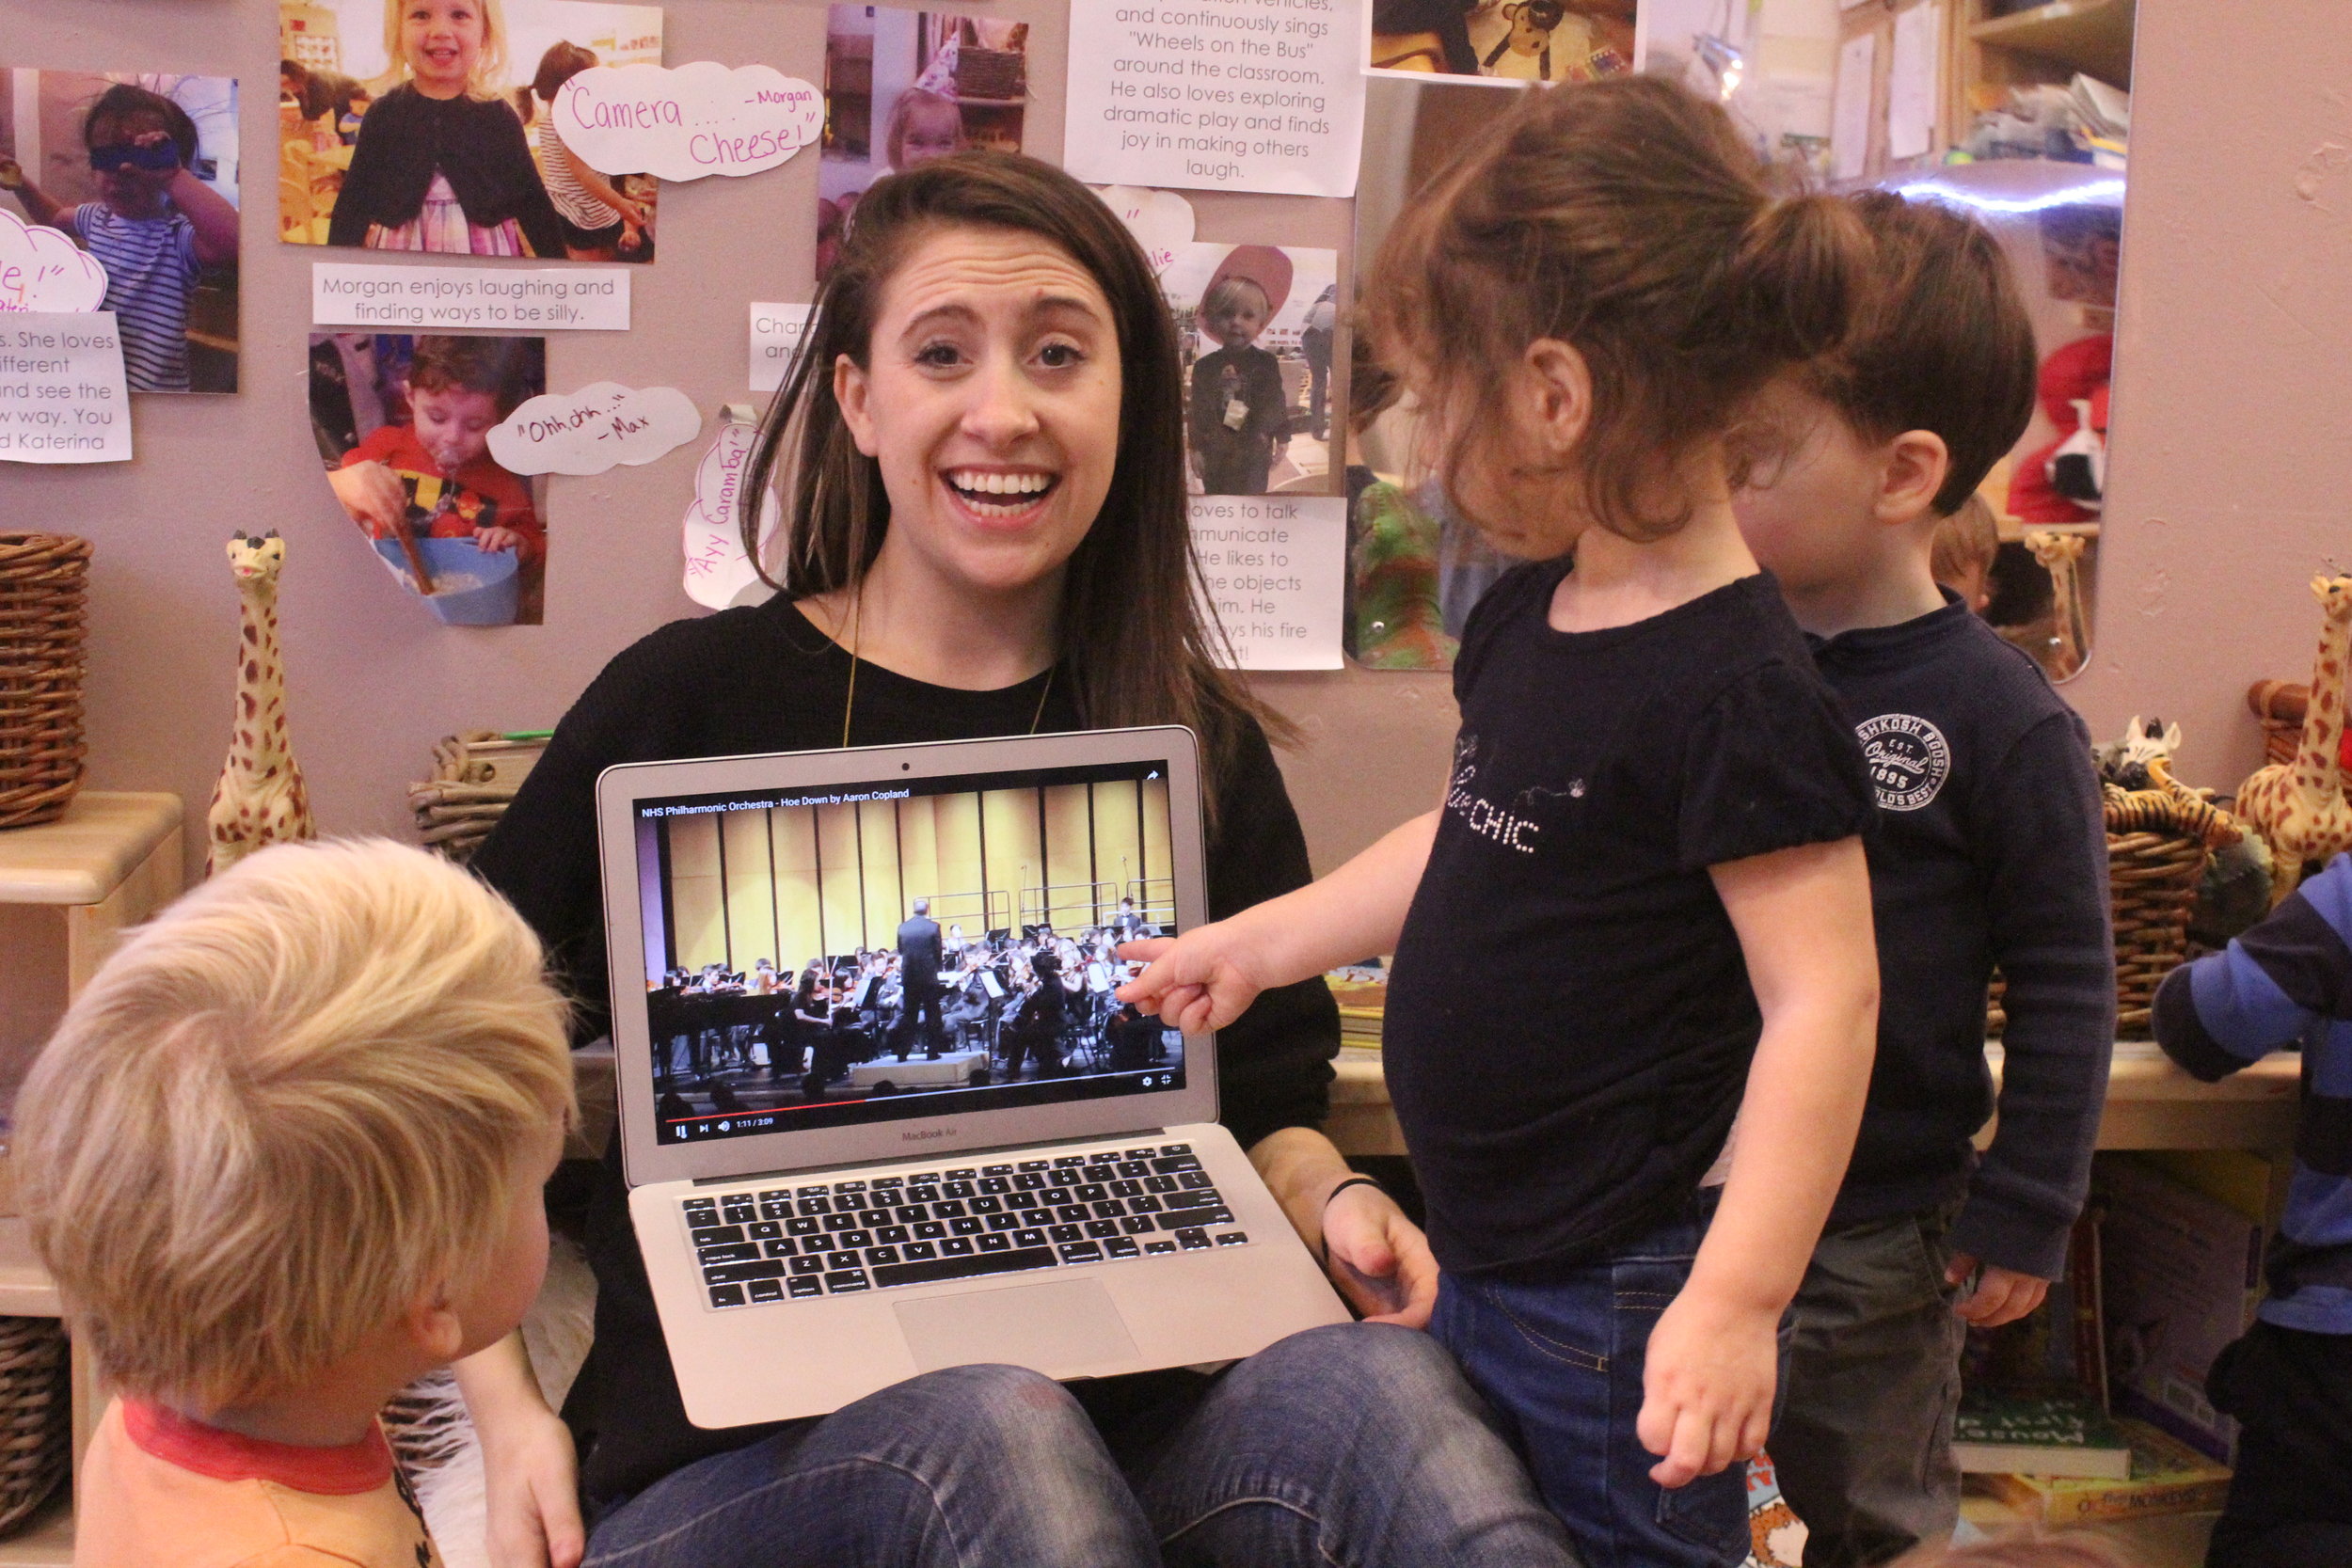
x=990, y=399
x=442, y=41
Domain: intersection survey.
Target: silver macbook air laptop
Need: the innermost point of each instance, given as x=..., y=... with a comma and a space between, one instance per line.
x=880, y=1109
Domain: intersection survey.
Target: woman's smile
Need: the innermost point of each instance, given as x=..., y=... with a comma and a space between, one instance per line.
x=1000, y=497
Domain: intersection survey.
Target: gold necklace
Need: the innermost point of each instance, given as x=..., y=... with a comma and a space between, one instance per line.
x=849, y=706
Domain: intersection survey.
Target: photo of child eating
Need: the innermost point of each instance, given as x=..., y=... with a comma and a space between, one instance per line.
x=403, y=425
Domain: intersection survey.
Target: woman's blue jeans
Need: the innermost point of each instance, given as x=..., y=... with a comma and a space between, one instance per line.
x=1357, y=1445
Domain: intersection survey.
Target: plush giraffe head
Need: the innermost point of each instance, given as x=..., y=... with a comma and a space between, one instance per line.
x=254, y=559
x=2334, y=594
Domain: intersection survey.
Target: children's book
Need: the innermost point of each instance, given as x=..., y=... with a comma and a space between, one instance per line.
x=2182, y=1274
x=2058, y=1435
x=2168, y=1477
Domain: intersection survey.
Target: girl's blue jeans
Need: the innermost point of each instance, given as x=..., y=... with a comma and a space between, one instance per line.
x=1561, y=1365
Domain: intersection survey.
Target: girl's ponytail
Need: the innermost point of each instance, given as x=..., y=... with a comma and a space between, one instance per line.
x=1795, y=283
x=1629, y=219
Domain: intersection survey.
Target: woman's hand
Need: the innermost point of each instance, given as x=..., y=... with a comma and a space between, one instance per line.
x=374, y=496
x=1706, y=1385
x=530, y=1473
x=1379, y=1258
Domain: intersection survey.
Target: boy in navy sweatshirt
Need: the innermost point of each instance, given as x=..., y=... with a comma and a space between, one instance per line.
x=2289, y=1381
x=1989, y=850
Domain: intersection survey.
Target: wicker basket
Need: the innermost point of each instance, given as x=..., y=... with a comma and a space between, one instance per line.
x=43, y=579
x=2159, y=841
x=998, y=74
x=474, y=776
x=36, y=1417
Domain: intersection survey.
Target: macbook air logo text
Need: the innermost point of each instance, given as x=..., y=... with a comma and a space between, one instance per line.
x=926, y=1135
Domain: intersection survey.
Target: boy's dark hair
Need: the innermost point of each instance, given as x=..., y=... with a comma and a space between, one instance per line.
x=1627, y=218
x=563, y=61
x=123, y=102
x=1948, y=348
x=495, y=367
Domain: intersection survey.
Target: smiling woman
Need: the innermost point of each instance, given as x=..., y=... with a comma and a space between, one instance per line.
x=991, y=329
x=984, y=460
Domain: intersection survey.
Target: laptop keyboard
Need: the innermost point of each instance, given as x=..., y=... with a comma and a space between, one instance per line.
x=838, y=1238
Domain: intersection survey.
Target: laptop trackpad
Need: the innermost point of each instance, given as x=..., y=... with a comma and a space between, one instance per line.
x=1069, y=1323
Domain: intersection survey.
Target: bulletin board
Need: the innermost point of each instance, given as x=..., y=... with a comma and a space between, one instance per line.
x=371, y=682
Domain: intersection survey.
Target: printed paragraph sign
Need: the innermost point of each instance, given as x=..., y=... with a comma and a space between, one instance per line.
x=603, y=425
x=700, y=118
x=62, y=398
x=40, y=269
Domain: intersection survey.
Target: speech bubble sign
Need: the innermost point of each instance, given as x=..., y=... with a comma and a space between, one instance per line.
x=603, y=425
x=1161, y=221
x=718, y=573
x=685, y=123
x=40, y=269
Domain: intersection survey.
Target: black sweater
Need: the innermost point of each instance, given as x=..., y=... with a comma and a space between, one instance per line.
x=477, y=143
x=1989, y=848
x=765, y=679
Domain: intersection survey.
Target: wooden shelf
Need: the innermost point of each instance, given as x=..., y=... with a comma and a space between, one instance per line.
x=2151, y=1103
x=2093, y=37
x=86, y=853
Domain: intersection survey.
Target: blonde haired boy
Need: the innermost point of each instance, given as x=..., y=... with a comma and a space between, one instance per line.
x=283, y=1156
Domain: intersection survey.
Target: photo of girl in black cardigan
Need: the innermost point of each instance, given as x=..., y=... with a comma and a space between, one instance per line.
x=441, y=163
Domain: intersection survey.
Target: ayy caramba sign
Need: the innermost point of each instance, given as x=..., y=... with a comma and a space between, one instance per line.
x=684, y=123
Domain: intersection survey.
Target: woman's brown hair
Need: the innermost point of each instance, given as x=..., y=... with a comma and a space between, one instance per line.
x=1627, y=219
x=1128, y=603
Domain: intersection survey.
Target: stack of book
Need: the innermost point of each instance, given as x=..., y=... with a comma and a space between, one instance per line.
x=2092, y=1408
x=1362, y=992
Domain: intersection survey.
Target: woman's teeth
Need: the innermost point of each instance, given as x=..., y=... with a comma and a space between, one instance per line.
x=999, y=491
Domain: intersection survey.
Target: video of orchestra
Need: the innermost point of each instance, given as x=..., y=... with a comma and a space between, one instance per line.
x=871, y=953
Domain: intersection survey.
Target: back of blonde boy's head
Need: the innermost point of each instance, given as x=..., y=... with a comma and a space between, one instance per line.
x=290, y=1108
x=1627, y=219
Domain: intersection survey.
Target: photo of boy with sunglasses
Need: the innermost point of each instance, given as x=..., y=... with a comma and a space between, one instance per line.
x=155, y=227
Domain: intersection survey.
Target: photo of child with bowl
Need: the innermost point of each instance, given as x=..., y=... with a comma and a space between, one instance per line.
x=404, y=424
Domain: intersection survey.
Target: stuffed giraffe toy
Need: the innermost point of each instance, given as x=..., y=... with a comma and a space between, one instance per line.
x=2298, y=807
x=2060, y=554
x=260, y=800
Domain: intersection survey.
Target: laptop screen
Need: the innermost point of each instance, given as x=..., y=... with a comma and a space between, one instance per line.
x=881, y=951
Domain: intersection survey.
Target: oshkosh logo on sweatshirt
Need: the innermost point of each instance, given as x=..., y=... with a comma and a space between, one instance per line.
x=1481, y=815
x=1907, y=759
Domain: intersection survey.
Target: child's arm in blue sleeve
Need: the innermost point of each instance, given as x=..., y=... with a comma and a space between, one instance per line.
x=2046, y=892
x=2229, y=1010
